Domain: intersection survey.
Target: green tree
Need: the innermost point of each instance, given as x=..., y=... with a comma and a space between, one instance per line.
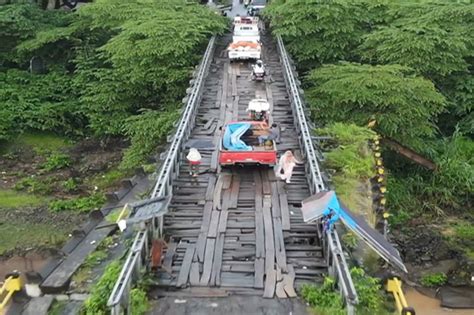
x=405, y=106
x=320, y=31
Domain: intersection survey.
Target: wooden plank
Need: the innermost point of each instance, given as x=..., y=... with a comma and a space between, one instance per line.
x=259, y=222
x=209, y=256
x=276, y=212
x=217, y=264
x=206, y=216
x=234, y=85
x=38, y=305
x=223, y=221
x=280, y=290
x=259, y=273
x=271, y=175
x=235, y=189
x=266, y=184
x=280, y=252
x=289, y=282
x=214, y=225
x=168, y=259
x=210, y=188
x=269, y=238
x=194, y=274
x=226, y=180
x=201, y=246
x=185, y=267
x=217, y=193
x=270, y=283
x=285, y=212
x=235, y=108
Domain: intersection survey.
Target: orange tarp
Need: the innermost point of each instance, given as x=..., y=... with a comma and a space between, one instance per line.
x=244, y=44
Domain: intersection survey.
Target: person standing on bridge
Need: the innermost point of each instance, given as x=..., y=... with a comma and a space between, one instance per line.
x=194, y=159
x=286, y=165
x=274, y=135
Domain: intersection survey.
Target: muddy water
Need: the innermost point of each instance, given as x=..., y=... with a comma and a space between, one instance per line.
x=28, y=262
x=425, y=305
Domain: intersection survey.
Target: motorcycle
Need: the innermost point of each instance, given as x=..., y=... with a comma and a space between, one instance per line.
x=258, y=71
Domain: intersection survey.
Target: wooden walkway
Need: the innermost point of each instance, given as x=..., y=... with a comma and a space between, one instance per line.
x=239, y=230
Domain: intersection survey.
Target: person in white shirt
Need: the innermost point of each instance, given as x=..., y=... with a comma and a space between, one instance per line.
x=194, y=159
x=286, y=165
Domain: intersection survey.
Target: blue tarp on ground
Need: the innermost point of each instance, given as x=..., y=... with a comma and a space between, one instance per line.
x=232, y=136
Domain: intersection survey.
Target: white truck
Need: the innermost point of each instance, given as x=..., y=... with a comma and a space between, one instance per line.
x=245, y=40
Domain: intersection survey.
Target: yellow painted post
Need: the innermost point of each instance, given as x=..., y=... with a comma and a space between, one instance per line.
x=394, y=286
x=12, y=284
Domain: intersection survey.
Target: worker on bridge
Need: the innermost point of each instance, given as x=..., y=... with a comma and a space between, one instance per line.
x=274, y=135
x=286, y=165
x=194, y=159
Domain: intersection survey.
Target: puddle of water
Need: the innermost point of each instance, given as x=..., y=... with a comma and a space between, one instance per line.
x=28, y=262
x=425, y=305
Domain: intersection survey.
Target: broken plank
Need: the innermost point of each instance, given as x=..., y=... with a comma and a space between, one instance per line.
x=285, y=212
x=289, y=282
x=185, y=267
x=276, y=212
x=266, y=184
x=201, y=246
x=280, y=290
x=206, y=272
x=206, y=216
x=270, y=283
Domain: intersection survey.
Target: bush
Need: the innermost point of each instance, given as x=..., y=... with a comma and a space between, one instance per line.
x=139, y=301
x=56, y=161
x=434, y=280
x=324, y=299
x=82, y=204
x=35, y=186
x=70, y=185
x=96, y=304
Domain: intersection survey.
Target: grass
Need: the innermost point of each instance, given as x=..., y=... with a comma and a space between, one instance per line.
x=57, y=307
x=434, y=279
x=113, y=216
x=26, y=235
x=43, y=142
x=108, y=179
x=13, y=199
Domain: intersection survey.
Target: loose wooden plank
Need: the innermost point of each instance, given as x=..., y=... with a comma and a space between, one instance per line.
x=271, y=175
x=234, y=192
x=201, y=246
x=194, y=274
x=259, y=222
x=289, y=282
x=234, y=85
x=276, y=212
x=280, y=252
x=235, y=108
x=206, y=216
x=280, y=290
x=210, y=188
x=209, y=256
x=217, y=264
x=217, y=193
x=214, y=225
x=185, y=267
x=226, y=180
x=259, y=273
x=266, y=184
x=223, y=221
x=270, y=283
x=269, y=238
x=285, y=212
x=168, y=259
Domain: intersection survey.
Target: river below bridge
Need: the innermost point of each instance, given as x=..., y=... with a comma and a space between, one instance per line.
x=425, y=305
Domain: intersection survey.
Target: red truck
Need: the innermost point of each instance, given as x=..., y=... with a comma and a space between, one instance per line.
x=239, y=144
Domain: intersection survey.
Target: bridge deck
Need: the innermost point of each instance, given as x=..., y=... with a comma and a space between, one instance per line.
x=240, y=230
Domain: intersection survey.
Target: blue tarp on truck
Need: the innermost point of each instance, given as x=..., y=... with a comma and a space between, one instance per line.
x=232, y=135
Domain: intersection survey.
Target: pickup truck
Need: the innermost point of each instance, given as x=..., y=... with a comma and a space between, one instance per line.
x=239, y=144
x=246, y=39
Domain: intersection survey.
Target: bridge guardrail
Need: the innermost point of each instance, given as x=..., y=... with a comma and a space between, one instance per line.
x=334, y=254
x=119, y=300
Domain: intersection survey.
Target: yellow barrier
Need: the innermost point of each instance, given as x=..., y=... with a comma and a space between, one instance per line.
x=11, y=285
x=394, y=286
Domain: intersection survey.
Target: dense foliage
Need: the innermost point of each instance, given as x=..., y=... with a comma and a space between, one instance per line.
x=408, y=66
x=106, y=67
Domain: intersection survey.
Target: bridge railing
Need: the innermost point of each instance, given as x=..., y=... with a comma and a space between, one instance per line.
x=119, y=300
x=334, y=254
